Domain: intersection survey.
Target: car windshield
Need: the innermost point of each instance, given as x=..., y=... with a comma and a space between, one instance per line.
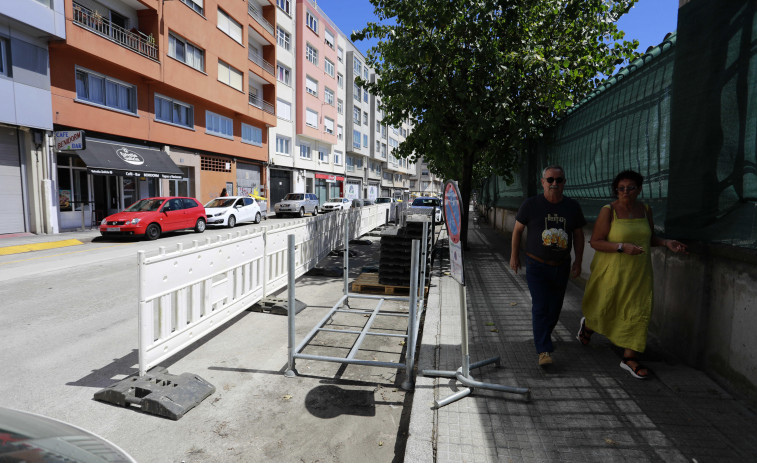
x=145, y=205
x=428, y=202
x=294, y=197
x=383, y=200
x=221, y=202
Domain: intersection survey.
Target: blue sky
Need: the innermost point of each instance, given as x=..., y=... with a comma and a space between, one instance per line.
x=648, y=21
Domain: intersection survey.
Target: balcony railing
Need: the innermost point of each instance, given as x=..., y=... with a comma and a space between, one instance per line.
x=134, y=41
x=254, y=10
x=260, y=103
x=257, y=59
x=350, y=168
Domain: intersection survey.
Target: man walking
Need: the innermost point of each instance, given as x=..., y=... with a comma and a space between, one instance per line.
x=554, y=226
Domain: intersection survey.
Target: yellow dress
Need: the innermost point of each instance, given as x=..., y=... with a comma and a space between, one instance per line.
x=618, y=298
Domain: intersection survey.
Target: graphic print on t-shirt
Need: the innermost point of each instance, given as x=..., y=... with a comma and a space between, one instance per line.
x=554, y=235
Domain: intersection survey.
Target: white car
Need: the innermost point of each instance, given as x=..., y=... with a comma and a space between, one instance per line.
x=428, y=205
x=336, y=204
x=227, y=211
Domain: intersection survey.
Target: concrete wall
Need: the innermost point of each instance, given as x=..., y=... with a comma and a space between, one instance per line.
x=705, y=305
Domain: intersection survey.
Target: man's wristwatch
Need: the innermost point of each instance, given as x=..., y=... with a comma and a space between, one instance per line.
x=620, y=247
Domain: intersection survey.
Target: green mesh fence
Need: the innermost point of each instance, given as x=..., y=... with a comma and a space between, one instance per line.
x=684, y=116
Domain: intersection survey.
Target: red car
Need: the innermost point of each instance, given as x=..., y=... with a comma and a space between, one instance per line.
x=150, y=217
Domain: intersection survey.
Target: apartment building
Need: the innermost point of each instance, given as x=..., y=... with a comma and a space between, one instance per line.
x=173, y=97
x=425, y=183
x=27, y=175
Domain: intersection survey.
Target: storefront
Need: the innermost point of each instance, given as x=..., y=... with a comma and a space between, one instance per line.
x=106, y=177
x=328, y=186
x=352, y=189
x=371, y=190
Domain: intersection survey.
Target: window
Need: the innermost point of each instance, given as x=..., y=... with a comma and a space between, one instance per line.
x=340, y=106
x=311, y=86
x=378, y=146
x=218, y=125
x=340, y=80
x=356, y=136
x=337, y=157
x=173, y=111
x=357, y=67
x=105, y=91
x=283, y=109
x=365, y=96
x=323, y=156
x=339, y=133
x=284, y=74
x=283, y=145
x=311, y=53
x=383, y=150
x=328, y=96
x=284, y=38
x=3, y=57
x=229, y=76
x=365, y=73
x=328, y=125
x=185, y=52
x=365, y=118
x=340, y=54
x=305, y=151
x=356, y=91
x=194, y=4
x=252, y=135
x=383, y=132
x=329, y=38
x=285, y=6
x=378, y=126
x=365, y=141
x=228, y=26
x=311, y=21
x=328, y=67
x=311, y=118
x=356, y=115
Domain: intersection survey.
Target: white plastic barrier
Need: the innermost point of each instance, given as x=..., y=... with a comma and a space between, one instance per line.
x=187, y=293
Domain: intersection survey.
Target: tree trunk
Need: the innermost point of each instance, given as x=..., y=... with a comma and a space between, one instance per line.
x=466, y=185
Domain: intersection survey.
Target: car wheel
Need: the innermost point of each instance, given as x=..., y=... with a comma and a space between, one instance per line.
x=257, y=217
x=152, y=232
x=200, y=226
x=232, y=221
x=302, y=212
x=315, y=211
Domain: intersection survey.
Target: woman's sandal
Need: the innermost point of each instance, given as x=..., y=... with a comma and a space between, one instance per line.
x=634, y=371
x=584, y=333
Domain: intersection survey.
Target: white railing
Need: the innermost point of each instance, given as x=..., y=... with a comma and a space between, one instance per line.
x=253, y=11
x=186, y=294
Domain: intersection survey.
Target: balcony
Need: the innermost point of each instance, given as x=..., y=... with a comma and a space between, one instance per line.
x=258, y=102
x=254, y=10
x=257, y=59
x=134, y=41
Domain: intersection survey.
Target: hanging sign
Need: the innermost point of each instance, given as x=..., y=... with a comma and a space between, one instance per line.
x=66, y=140
x=454, y=222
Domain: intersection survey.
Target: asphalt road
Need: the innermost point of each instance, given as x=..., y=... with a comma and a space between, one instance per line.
x=69, y=328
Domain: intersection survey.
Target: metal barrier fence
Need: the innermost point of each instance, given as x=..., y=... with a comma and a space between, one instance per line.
x=187, y=293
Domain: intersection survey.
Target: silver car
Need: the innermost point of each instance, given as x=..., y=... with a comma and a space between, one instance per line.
x=297, y=204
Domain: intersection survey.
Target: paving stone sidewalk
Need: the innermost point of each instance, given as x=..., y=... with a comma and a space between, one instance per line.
x=584, y=408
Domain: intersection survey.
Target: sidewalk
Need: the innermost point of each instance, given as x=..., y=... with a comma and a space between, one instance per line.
x=583, y=408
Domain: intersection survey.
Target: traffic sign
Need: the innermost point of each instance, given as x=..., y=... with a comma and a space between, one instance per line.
x=454, y=222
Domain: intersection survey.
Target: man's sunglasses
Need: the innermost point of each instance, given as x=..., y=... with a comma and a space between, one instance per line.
x=557, y=180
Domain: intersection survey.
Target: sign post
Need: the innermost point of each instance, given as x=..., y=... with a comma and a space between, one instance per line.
x=453, y=210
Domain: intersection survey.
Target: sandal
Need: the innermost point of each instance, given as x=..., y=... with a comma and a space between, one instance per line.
x=634, y=371
x=584, y=333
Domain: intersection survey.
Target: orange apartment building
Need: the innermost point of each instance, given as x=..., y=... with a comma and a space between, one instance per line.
x=174, y=97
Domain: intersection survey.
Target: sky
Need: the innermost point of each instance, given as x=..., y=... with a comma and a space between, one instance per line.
x=648, y=21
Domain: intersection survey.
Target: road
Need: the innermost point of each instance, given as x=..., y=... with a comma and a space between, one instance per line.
x=70, y=328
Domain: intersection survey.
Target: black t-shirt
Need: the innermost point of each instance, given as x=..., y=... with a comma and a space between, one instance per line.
x=550, y=226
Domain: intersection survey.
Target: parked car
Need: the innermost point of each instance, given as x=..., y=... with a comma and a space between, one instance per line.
x=426, y=204
x=384, y=200
x=368, y=202
x=357, y=202
x=150, y=217
x=336, y=204
x=28, y=437
x=231, y=210
x=297, y=204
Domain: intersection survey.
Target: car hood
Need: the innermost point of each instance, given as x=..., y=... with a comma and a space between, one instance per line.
x=127, y=215
x=216, y=210
x=333, y=203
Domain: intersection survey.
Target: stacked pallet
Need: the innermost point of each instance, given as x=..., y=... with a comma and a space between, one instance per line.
x=396, y=244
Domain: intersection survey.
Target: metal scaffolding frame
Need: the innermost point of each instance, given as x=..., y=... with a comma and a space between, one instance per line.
x=415, y=308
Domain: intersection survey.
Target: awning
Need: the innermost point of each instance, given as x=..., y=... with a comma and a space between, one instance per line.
x=112, y=158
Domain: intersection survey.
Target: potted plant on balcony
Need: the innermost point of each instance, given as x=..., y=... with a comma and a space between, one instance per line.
x=97, y=19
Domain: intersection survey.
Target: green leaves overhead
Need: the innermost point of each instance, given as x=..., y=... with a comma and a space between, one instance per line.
x=480, y=78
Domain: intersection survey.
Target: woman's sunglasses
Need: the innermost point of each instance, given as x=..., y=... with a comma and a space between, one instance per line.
x=557, y=180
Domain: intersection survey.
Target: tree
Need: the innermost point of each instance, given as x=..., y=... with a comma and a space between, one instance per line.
x=480, y=80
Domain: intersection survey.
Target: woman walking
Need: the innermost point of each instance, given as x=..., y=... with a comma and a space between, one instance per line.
x=619, y=295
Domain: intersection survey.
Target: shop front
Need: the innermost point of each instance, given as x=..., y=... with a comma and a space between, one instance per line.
x=352, y=188
x=371, y=190
x=105, y=177
x=328, y=186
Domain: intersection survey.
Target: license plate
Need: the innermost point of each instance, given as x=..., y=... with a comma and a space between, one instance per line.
x=112, y=229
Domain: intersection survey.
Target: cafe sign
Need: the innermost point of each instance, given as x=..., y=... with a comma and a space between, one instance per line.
x=67, y=140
